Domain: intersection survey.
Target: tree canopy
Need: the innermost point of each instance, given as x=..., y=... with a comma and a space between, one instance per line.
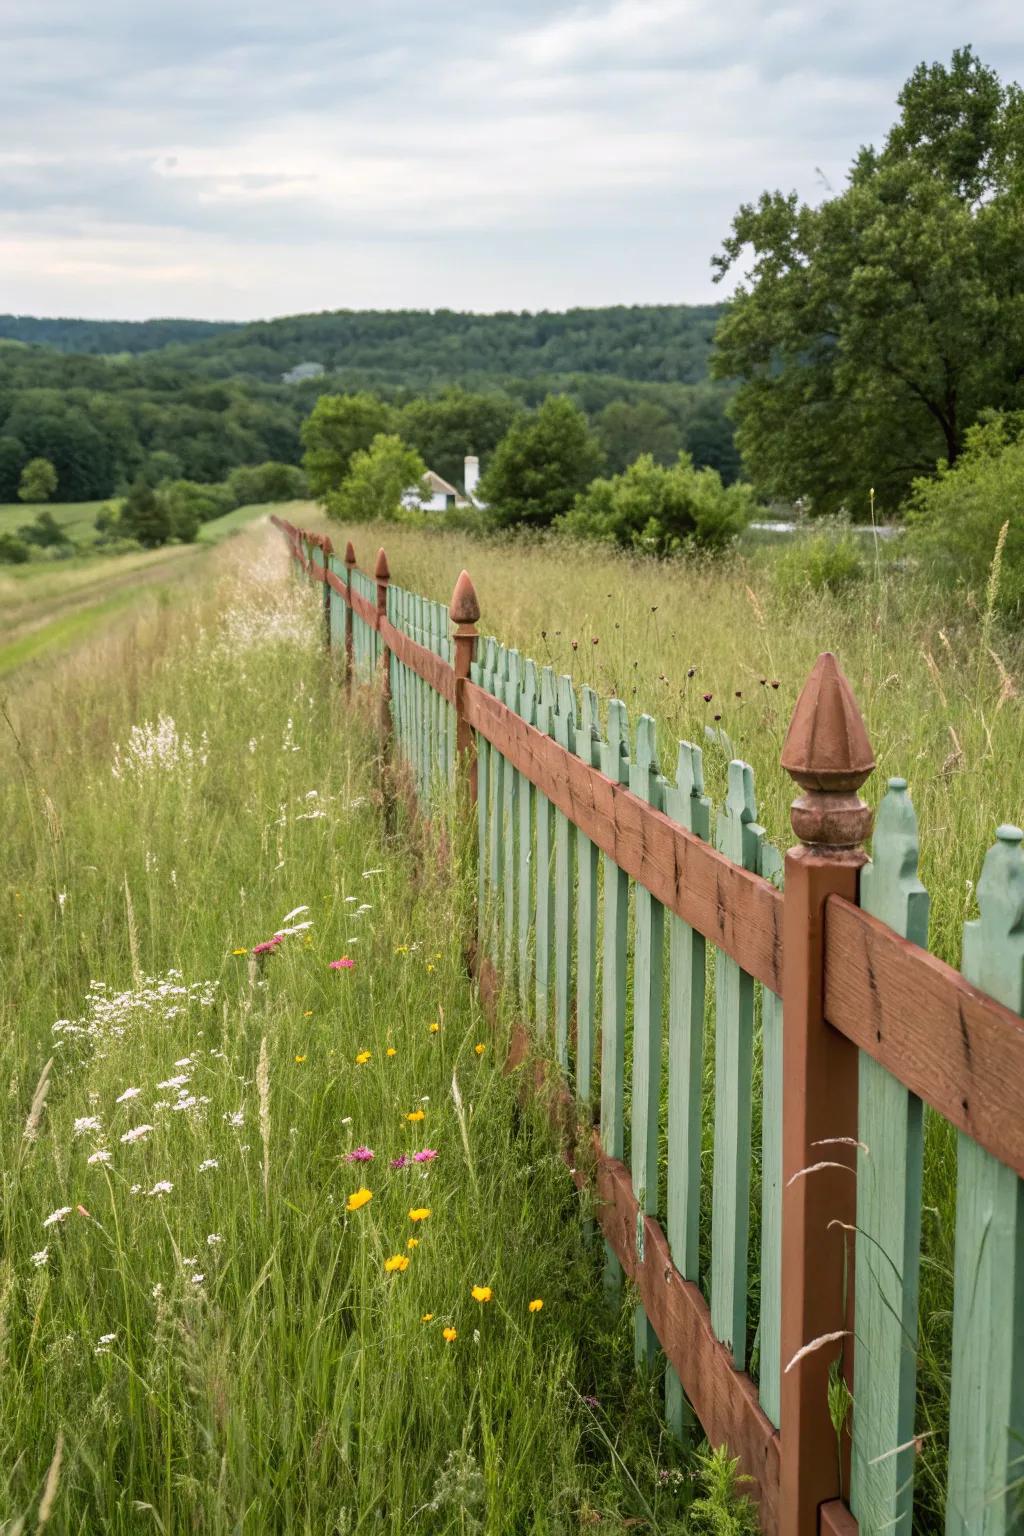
x=541, y=465
x=872, y=330
x=376, y=480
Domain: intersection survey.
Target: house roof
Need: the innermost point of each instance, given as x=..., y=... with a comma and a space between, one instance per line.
x=437, y=484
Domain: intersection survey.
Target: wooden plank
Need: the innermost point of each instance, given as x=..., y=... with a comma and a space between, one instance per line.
x=477, y=672
x=565, y=879
x=986, y=1409
x=770, y=1319
x=587, y=747
x=836, y=1520
x=687, y=804
x=739, y=837
x=615, y=763
x=737, y=910
x=888, y=1245
x=495, y=663
x=958, y=1049
x=527, y=706
x=509, y=827
x=648, y=962
x=545, y=921
x=362, y=606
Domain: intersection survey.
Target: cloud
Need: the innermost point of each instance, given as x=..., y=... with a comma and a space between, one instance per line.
x=256, y=158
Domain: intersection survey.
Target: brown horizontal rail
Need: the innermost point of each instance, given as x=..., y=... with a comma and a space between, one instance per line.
x=738, y=911
x=365, y=609
x=434, y=670
x=954, y=1046
x=337, y=584
x=837, y=1520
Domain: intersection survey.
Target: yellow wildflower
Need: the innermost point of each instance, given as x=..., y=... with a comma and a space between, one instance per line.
x=480, y=1048
x=357, y=1200
x=239, y=951
x=392, y=1051
x=420, y=1213
x=434, y=1028
x=481, y=1293
x=299, y=1060
x=362, y=1058
x=416, y=1114
x=308, y=1013
x=397, y=1261
x=449, y=1335
x=428, y=1317
x=401, y=949
x=413, y=1242
x=536, y=1305
x=430, y=968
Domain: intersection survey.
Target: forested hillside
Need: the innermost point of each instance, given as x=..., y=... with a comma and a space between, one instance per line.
x=109, y=336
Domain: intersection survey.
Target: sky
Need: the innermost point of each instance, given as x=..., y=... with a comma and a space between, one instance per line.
x=239, y=159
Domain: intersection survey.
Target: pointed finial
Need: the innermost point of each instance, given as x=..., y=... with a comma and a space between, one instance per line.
x=327, y=546
x=464, y=607
x=381, y=570
x=350, y=553
x=828, y=753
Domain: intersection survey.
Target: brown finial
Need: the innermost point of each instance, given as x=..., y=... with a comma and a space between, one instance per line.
x=350, y=553
x=464, y=607
x=828, y=753
x=382, y=570
x=326, y=545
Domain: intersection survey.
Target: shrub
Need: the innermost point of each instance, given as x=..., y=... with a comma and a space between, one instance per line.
x=663, y=510
x=831, y=559
x=542, y=463
x=251, y=483
x=377, y=478
x=13, y=551
x=193, y=501
x=44, y=532
x=38, y=481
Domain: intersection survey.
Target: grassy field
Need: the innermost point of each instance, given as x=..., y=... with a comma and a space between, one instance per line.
x=200, y=1328
x=77, y=518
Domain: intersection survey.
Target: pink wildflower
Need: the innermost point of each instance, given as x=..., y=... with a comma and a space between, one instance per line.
x=426, y=1156
x=399, y=1162
x=360, y=1155
x=267, y=947
x=344, y=964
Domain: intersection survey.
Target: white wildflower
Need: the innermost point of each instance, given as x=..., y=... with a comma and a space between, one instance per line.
x=129, y=1093
x=87, y=1123
x=198, y=1279
x=101, y=1155
x=296, y=911
x=213, y=1238
x=162, y=1187
x=207, y=1164
x=237, y=1117
x=137, y=1133
x=41, y=1258
x=57, y=1215
x=175, y=1082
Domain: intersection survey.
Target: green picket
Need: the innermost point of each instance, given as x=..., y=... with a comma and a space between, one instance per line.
x=769, y=1383
x=986, y=1419
x=478, y=672
x=648, y=963
x=615, y=766
x=687, y=804
x=527, y=707
x=888, y=1248
x=545, y=897
x=739, y=838
x=587, y=746
x=495, y=670
x=509, y=824
x=565, y=879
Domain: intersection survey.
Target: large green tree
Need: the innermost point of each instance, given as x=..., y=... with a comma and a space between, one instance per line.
x=870, y=331
x=541, y=465
x=447, y=427
x=377, y=479
x=38, y=481
x=338, y=427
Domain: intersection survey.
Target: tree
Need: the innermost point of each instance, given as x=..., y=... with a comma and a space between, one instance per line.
x=444, y=430
x=13, y=550
x=146, y=517
x=44, y=532
x=661, y=509
x=38, y=481
x=338, y=427
x=251, y=483
x=12, y=457
x=541, y=465
x=872, y=330
x=627, y=429
x=377, y=478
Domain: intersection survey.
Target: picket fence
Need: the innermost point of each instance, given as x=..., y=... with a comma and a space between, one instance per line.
x=821, y=954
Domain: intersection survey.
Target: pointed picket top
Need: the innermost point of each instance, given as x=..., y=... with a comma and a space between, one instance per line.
x=464, y=607
x=994, y=942
x=828, y=753
x=545, y=699
x=615, y=747
x=382, y=570
x=645, y=777
x=566, y=698
x=590, y=713
x=685, y=800
x=512, y=672
x=350, y=553
x=529, y=687
x=739, y=836
x=327, y=546
x=889, y=886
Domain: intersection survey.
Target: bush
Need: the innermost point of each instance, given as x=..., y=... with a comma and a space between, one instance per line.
x=13, y=551
x=193, y=501
x=38, y=481
x=44, y=532
x=252, y=483
x=542, y=463
x=832, y=559
x=377, y=478
x=954, y=519
x=661, y=510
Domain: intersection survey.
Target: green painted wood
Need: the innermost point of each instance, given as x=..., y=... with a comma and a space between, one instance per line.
x=565, y=879
x=587, y=746
x=494, y=663
x=510, y=826
x=615, y=766
x=478, y=671
x=648, y=973
x=986, y=1420
x=527, y=811
x=338, y=606
x=769, y=1384
x=687, y=804
x=888, y=1247
x=544, y=877
x=739, y=838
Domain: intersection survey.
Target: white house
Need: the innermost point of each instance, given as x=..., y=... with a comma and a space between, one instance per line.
x=442, y=495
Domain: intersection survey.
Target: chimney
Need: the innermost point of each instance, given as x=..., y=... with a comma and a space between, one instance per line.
x=471, y=474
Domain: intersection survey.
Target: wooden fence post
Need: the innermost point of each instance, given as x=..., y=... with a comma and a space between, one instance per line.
x=350, y=560
x=828, y=754
x=383, y=575
x=326, y=551
x=464, y=611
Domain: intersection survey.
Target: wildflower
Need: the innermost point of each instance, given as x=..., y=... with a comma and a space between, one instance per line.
x=428, y=1317
x=420, y=1213
x=413, y=1242
x=268, y=946
x=396, y=1264
x=357, y=1200
x=399, y=1162
x=197, y=1279
x=213, y=1238
x=103, y=1343
x=162, y=1187
x=308, y=1014
x=479, y=1048
x=207, y=1164
x=481, y=1293
x=449, y=1335
x=175, y=1082
x=591, y=1402
x=236, y=1117
x=426, y=1156
x=403, y=949
x=416, y=1114
x=239, y=951
x=434, y=1028
x=87, y=1123
x=392, y=1051
x=363, y=1058
x=41, y=1258
x=129, y=1093
x=360, y=1155
x=137, y=1133
x=536, y=1305
x=430, y=968
x=100, y=1156
x=299, y=1060
x=57, y=1215
x=344, y=964
x=296, y=911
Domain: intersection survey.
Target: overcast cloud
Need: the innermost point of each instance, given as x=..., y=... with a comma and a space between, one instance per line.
x=233, y=160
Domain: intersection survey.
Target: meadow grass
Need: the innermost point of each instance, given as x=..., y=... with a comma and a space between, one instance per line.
x=198, y=1327
x=77, y=518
